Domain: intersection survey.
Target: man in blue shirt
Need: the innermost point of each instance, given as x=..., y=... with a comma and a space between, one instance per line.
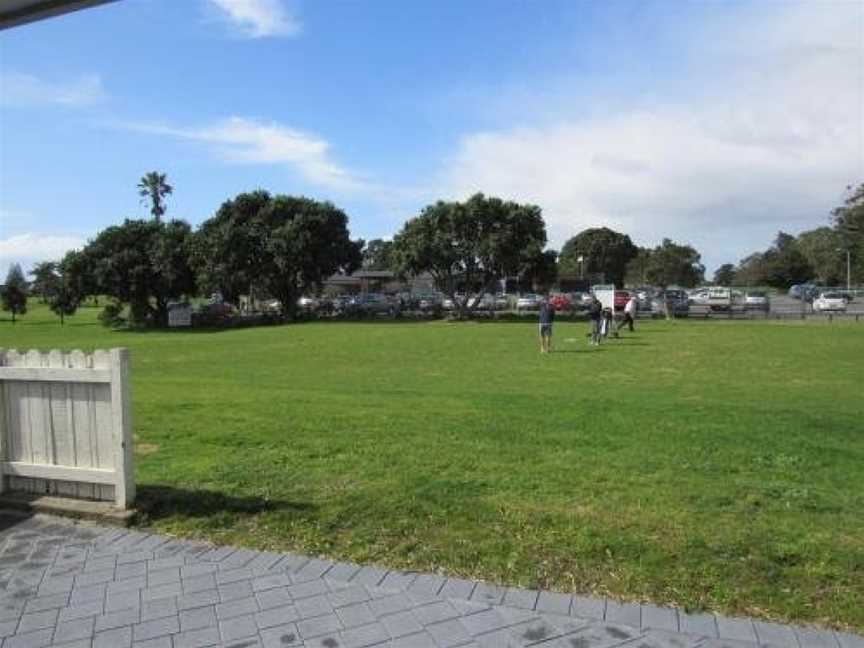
x=547, y=316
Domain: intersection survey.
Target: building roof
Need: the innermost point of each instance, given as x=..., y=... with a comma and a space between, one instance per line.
x=20, y=12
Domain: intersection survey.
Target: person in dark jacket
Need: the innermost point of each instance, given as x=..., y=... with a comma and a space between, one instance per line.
x=547, y=317
x=595, y=315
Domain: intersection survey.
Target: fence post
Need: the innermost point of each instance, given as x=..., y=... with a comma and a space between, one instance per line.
x=121, y=416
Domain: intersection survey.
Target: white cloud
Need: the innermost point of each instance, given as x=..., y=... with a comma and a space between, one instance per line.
x=242, y=140
x=259, y=18
x=771, y=144
x=26, y=90
x=30, y=248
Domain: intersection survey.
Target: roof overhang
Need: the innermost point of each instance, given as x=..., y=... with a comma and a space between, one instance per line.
x=20, y=12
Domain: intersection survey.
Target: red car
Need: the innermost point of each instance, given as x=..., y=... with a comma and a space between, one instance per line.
x=621, y=299
x=560, y=302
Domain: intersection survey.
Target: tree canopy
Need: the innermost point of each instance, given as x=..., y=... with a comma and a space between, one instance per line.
x=14, y=293
x=143, y=264
x=603, y=251
x=725, y=275
x=154, y=187
x=282, y=246
x=377, y=255
x=469, y=246
x=57, y=290
x=672, y=264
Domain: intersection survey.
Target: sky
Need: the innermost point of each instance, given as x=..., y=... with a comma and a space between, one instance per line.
x=713, y=123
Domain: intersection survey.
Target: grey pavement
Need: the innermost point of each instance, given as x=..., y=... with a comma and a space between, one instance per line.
x=83, y=586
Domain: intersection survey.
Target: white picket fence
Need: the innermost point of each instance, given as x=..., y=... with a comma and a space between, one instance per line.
x=65, y=424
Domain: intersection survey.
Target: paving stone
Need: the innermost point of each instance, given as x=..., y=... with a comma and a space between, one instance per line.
x=264, y=561
x=401, y=624
x=36, y=639
x=704, y=625
x=37, y=621
x=123, y=600
x=464, y=608
x=116, y=638
x=117, y=619
x=270, y=581
x=159, y=642
x=72, y=630
x=197, y=599
x=521, y=598
x=420, y=640
x=342, y=571
x=348, y=595
x=369, y=576
x=398, y=580
x=132, y=583
x=78, y=643
x=197, y=569
x=238, y=627
x=847, y=640
x=314, y=568
x=199, y=583
x=88, y=593
x=233, y=575
x=308, y=628
x=161, y=591
x=161, y=577
x=435, y=613
x=629, y=614
x=484, y=622
x=236, y=608
x=157, y=609
x=308, y=589
x=815, y=638
x=659, y=618
x=281, y=636
x=489, y=594
x=391, y=603
x=277, y=616
x=50, y=602
x=236, y=590
x=356, y=615
x=457, y=588
x=56, y=585
x=155, y=628
x=274, y=598
x=448, y=633
x=314, y=606
x=197, y=638
x=367, y=635
x=553, y=602
x=603, y=635
x=735, y=628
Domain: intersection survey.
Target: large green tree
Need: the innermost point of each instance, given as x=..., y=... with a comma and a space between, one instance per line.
x=849, y=222
x=142, y=264
x=603, y=251
x=468, y=247
x=14, y=292
x=376, y=255
x=154, y=187
x=783, y=264
x=57, y=289
x=823, y=249
x=725, y=275
x=281, y=246
x=672, y=264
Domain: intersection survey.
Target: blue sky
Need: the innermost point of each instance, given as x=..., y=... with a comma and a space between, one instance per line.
x=712, y=123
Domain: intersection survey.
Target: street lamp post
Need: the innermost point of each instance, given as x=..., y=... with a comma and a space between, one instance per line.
x=848, y=267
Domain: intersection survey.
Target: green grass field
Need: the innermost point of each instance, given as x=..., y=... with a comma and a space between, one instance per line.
x=715, y=465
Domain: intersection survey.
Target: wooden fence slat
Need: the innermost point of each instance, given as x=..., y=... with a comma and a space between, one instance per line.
x=65, y=424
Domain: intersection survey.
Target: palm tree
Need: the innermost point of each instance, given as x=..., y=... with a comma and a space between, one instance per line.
x=153, y=187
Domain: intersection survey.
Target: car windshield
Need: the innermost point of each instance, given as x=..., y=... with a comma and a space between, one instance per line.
x=832, y=296
x=755, y=294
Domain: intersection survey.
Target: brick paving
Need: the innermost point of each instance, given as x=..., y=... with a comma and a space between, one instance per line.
x=79, y=586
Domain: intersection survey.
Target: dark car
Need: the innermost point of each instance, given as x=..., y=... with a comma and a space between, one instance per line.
x=677, y=300
x=373, y=304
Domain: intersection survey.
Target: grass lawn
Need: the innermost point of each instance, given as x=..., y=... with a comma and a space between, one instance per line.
x=715, y=465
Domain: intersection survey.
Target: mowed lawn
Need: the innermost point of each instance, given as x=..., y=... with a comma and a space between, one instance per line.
x=708, y=465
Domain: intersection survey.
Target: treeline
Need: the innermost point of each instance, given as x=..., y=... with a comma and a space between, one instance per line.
x=829, y=255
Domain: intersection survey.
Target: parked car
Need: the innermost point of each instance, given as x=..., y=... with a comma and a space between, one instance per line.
x=529, y=301
x=679, y=304
x=587, y=298
x=561, y=302
x=373, y=304
x=699, y=296
x=307, y=303
x=756, y=300
x=829, y=301
x=621, y=298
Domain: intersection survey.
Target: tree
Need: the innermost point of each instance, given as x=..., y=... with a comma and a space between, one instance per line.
x=56, y=290
x=849, y=222
x=636, y=268
x=470, y=246
x=376, y=255
x=751, y=270
x=153, y=187
x=140, y=263
x=543, y=271
x=603, y=251
x=725, y=275
x=823, y=250
x=14, y=295
x=279, y=245
x=783, y=264
x=671, y=264
x=43, y=274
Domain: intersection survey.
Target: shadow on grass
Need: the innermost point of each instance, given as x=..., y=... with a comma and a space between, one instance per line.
x=158, y=502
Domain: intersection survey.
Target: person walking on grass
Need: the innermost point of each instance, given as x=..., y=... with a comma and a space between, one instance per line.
x=595, y=315
x=547, y=317
x=629, y=314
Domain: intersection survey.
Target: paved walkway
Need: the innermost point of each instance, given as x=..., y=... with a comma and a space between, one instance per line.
x=81, y=586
